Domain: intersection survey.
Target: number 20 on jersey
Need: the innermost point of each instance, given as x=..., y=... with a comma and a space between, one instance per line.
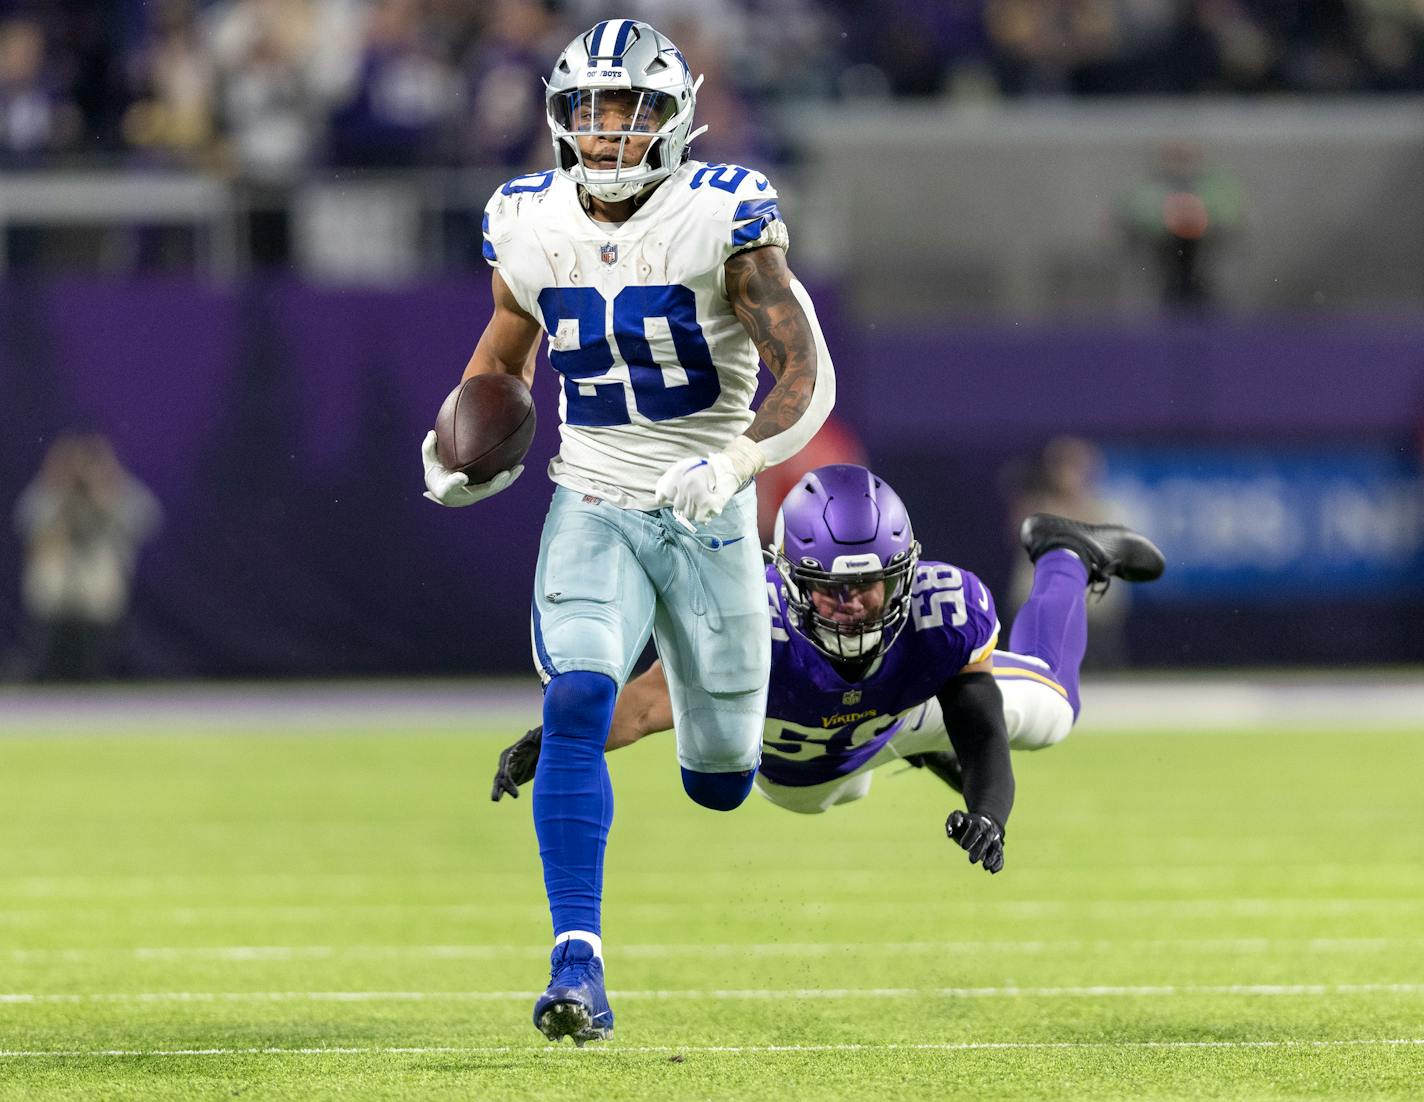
x=654, y=398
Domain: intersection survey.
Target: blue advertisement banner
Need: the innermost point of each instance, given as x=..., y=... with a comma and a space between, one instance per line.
x=1274, y=523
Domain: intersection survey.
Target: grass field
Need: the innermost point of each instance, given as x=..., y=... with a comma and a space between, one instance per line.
x=244, y=909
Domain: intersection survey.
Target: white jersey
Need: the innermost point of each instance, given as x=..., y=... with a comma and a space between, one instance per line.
x=656, y=367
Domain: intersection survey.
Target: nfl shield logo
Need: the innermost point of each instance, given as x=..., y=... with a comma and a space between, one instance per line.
x=608, y=254
x=850, y=697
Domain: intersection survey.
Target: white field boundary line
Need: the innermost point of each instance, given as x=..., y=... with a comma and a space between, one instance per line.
x=125, y=889
x=1276, y=908
x=1271, y=700
x=1280, y=702
x=735, y=1050
x=757, y=994
x=276, y=953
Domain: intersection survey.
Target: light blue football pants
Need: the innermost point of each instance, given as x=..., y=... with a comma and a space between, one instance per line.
x=608, y=577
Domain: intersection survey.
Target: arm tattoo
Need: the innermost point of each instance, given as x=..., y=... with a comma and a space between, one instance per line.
x=759, y=289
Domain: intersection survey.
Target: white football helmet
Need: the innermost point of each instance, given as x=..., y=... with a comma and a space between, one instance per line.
x=620, y=80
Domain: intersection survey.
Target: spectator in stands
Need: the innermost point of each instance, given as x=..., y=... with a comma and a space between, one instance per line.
x=503, y=71
x=1090, y=47
x=273, y=92
x=1391, y=34
x=173, y=79
x=403, y=94
x=280, y=63
x=906, y=48
x=1181, y=213
x=82, y=520
x=36, y=117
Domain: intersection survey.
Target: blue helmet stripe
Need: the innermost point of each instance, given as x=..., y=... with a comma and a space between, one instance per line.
x=595, y=40
x=620, y=45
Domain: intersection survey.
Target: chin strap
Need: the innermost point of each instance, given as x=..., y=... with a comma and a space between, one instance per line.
x=639, y=197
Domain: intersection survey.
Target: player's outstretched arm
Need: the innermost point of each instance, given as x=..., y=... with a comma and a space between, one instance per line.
x=510, y=343
x=779, y=317
x=643, y=708
x=508, y=346
x=974, y=716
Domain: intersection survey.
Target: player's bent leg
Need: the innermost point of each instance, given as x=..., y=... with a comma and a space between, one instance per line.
x=1068, y=556
x=1037, y=714
x=719, y=743
x=1052, y=625
x=714, y=638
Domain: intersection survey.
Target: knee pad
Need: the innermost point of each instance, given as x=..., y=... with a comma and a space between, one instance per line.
x=719, y=791
x=579, y=705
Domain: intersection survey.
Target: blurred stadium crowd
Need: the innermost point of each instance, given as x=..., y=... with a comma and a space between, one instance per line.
x=266, y=88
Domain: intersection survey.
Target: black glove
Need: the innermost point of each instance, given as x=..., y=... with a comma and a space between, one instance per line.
x=980, y=836
x=516, y=764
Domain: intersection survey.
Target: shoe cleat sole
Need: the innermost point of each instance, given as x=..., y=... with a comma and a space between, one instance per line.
x=571, y=1019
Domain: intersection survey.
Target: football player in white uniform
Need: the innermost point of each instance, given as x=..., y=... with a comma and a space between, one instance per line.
x=659, y=281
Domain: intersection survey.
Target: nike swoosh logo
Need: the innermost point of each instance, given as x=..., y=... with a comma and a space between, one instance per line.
x=983, y=597
x=763, y=184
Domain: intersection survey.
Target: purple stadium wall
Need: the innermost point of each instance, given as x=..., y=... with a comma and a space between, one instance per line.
x=279, y=424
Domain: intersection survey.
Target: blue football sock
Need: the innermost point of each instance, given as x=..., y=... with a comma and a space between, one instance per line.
x=573, y=797
x=719, y=791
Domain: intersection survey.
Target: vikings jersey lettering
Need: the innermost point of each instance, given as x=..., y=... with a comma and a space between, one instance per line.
x=820, y=726
x=656, y=367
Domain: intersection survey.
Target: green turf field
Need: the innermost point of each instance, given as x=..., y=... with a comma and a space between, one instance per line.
x=231, y=912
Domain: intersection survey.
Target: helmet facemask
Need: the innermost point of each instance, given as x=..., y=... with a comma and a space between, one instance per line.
x=620, y=116
x=865, y=638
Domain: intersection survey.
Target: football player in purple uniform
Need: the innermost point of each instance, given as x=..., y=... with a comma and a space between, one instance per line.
x=880, y=656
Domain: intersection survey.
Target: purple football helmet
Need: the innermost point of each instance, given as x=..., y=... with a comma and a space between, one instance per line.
x=840, y=529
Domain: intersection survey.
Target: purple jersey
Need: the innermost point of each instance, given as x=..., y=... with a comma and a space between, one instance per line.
x=820, y=726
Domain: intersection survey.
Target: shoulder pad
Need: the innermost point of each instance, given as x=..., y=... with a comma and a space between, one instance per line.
x=744, y=198
x=504, y=206
x=948, y=599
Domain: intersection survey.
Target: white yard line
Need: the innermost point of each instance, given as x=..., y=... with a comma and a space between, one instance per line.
x=266, y=953
x=1095, y=991
x=614, y=1049
x=1273, y=908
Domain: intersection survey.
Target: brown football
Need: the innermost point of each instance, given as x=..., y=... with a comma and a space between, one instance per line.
x=485, y=426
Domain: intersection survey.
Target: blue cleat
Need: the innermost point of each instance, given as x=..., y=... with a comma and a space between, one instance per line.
x=575, y=1005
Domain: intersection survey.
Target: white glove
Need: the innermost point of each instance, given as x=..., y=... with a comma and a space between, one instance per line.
x=699, y=488
x=446, y=487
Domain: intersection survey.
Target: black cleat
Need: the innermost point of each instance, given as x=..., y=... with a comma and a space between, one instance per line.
x=1107, y=550
x=942, y=764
